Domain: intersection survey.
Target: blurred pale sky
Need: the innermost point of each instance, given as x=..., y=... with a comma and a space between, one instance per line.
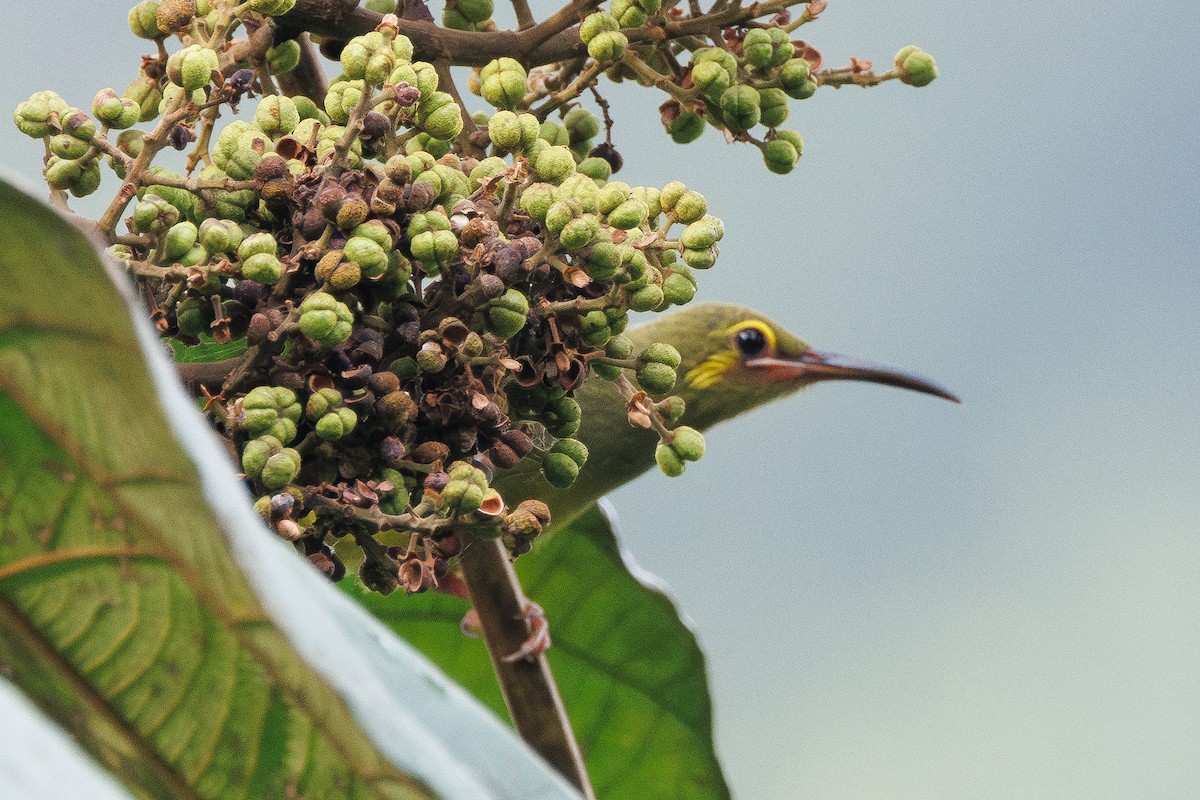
x=902, y=598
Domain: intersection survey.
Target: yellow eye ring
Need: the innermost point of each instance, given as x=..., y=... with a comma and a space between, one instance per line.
x=752, y=339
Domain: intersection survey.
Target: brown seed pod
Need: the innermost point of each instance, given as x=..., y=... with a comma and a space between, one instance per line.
x=174, y=15
x=382, y=383
x=518, y=440
x=396, y=409
x=352, y=212
x=503, y=456
x=430, y=452
x=329, y=199
x=327, y=264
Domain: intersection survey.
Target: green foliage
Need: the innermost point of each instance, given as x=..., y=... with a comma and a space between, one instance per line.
x=176, y=641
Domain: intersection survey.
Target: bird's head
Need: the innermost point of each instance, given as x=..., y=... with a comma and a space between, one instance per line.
x=734, y=359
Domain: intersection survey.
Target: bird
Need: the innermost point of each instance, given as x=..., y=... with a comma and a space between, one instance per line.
x=732, y=360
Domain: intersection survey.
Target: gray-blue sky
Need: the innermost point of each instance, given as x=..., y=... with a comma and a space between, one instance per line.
x=902, y=598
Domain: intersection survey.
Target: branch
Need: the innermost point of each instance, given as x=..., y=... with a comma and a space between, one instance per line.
x=206, y=373
x=554, y=39
x=544, y=43
x=529, y=690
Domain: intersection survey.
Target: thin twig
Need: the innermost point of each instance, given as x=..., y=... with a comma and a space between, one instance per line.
x=585, y=79
x=524, y=15
x=665, y=82
x=849, y=77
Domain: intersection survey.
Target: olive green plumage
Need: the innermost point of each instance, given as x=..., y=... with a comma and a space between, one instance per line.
x=733, y=359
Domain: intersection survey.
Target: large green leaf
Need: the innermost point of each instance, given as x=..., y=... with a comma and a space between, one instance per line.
x=145, y=608
x=630, y=672
x=32, y=742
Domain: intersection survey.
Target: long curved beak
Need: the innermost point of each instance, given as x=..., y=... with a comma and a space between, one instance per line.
x=813, y=366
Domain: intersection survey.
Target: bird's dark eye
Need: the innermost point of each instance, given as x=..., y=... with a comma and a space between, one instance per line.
x=750, y=341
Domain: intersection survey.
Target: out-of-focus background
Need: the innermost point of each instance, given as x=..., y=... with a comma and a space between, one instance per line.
x=903, y=598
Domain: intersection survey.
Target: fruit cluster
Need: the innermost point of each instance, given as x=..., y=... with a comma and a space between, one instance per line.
x=404, y=299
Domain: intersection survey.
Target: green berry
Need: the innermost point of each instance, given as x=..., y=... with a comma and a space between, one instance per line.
x=661, y=353
x=272, y=8
x=793, y=137
x=507, y=314
x=916, y=67
x=678, y=287
x=629, y=215
x=668, y=461
x=773, y=107
x=555, y=164
x=256, y=452
x=594, y=24
x=688, y=443
x=475, y=10
x=143, y=20
x=336, y=423
x=690, y=207
x=607, y=46
x=262, y=268
x=647, y=298
x=655, y=378
x=783, y=49
x=757, y=47
x=67, y=147
x=116, y=112
x=372, y=259
x=504, y=129
x=261, y=242
x=628, y=13
x=192, y=67
x=701, y=234
x=561, y=213
x=711, y=78
x=536, y=201
x=700, y=259
x=502, y=82
x=580, y=232
x=283, y=57
x=276, y=115
x=741, y=107
x=561, y=465
x=321, y=402
x=440, y=116
x=596, y=168
x=581, y=125
x=780, y=156
x=32, y=115
x=281, y=469
x=795, y=78
x=180, y=238
x=325, y=320
x=686, y=127
x=562, y=416
x=604, y=261
x=594, y=330
x=434, y=249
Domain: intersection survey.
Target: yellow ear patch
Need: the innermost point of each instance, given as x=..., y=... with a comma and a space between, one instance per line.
x=711, y=369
